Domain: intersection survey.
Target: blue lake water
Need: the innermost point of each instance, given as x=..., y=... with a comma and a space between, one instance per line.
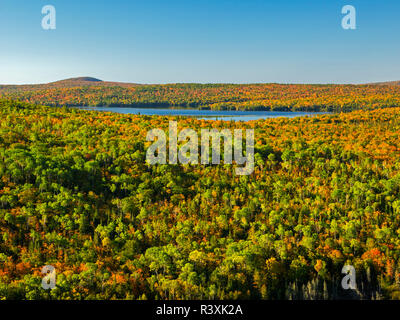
x=206, y=114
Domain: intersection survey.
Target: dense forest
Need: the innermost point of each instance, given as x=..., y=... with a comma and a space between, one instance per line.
x=77, y=193
x=278, y=97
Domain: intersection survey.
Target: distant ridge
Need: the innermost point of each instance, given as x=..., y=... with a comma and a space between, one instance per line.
x=387, y=83
x=89, y=91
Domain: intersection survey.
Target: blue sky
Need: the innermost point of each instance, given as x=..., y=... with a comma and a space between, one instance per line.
x=159, y=41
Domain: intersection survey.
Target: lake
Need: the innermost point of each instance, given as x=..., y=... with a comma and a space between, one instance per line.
x=206, y=114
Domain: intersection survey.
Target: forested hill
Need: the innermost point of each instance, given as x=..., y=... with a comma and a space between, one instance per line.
x=86, y=91
x=65, y=83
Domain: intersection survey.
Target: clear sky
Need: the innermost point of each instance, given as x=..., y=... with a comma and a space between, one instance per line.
x=168, y=41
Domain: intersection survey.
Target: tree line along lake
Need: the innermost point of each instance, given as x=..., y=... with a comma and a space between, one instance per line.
x=227, y=115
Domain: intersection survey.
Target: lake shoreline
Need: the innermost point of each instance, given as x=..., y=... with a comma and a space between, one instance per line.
x=226, y=115
x=315, y=109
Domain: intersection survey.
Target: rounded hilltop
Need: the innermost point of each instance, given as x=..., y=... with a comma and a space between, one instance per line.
x=87, y=81
x=74, y=82
x=80, y=79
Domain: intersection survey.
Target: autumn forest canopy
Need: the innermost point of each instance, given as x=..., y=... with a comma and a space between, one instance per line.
x=77, y=193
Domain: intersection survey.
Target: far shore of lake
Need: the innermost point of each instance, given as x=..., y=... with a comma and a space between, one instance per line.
x=207, y=114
